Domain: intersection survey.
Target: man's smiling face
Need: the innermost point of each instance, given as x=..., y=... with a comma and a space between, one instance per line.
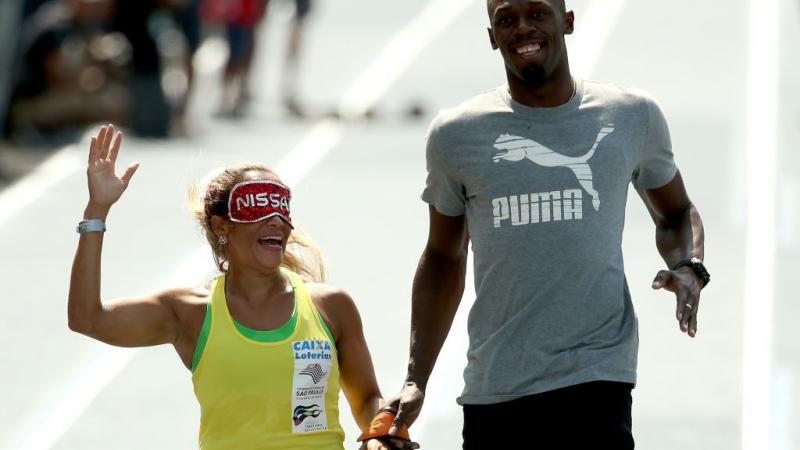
x=530, y=36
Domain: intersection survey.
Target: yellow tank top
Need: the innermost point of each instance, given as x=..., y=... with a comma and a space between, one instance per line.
x=276, y=389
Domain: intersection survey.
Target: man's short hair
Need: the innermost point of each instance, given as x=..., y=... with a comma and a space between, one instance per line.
x=556, y=3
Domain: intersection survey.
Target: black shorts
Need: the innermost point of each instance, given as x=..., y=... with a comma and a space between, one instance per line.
x=584, y=416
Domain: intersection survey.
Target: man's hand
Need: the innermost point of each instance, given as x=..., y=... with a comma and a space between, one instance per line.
x=408, y=404
x=679, y=235
x=686, y=285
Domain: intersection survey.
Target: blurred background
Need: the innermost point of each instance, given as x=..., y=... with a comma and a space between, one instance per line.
x=337, y=96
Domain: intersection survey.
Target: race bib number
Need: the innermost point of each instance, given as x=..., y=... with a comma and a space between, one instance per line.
x=312, y=365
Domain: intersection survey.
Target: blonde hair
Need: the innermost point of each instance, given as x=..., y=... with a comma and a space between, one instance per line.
x=210, y=198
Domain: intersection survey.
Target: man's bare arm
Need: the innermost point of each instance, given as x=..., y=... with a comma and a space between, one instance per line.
x=438, y=286
x=436, y=294
x=679, y=236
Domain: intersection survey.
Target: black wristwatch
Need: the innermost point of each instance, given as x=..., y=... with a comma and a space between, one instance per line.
x=697, y=266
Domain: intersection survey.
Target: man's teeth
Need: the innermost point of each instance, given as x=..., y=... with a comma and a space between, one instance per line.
x=530, y=48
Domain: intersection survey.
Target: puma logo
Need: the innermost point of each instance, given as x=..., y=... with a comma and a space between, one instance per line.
x=516, y=148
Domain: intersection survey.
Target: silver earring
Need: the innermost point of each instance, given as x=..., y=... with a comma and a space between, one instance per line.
x=222, y=241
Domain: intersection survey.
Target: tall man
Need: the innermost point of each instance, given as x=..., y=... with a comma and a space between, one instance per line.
x=535, y=174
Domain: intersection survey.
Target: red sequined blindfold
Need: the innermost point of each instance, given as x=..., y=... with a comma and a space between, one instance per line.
x=254, y=201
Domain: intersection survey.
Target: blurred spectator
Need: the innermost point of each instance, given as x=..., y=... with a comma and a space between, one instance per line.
x=187, y=19
x=292, y=67
x=240, y=20
x=30, y=6
x=164, y=35
x=70, y=72
x=141, y=22
x=10, y=23
x=84, y=61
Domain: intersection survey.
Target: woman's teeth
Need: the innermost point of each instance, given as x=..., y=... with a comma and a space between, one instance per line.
x=270, y=240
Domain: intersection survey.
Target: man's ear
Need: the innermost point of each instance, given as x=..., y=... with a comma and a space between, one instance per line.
x=569, y=22
x=491, y=38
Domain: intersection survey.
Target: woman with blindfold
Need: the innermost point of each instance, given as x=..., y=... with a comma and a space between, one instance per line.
x=268, y=345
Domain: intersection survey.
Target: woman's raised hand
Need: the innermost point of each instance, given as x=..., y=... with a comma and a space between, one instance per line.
x=105, y=187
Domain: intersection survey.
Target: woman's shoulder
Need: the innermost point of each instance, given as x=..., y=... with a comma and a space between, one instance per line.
x=330, y=297
x=187, y=303
x=335, y=304
x=191, y=295
x=186, y=295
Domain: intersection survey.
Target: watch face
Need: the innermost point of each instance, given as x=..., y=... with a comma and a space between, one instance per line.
x=696, y=260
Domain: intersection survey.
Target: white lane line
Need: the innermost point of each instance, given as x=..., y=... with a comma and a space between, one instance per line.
x=446, y=383
x=395, y=58
x=293, y=168
x=762, y=106
x=31, y=187
x=102, y=368
x=324, y=135
x=398, y=55
x=77, y=396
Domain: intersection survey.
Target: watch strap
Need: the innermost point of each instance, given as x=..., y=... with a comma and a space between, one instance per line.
x=697, y=267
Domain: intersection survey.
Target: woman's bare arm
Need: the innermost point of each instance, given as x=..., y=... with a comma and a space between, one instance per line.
x=131, y=322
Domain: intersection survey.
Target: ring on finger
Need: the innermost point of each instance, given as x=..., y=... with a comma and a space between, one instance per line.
x=688, y=306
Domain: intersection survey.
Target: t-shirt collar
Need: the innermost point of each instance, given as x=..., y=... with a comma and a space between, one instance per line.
x=542, y=112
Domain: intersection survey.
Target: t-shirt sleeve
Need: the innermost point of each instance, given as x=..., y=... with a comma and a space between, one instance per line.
x=442, y=190
x=656, y=165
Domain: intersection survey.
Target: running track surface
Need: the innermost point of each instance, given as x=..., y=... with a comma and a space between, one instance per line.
x=64, y=391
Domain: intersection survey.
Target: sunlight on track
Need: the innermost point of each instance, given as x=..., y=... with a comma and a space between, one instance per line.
x=30, y=188
x=587, y=43
x=398, y=55
x=324, y=135
x=759, y=290
x=79, y=392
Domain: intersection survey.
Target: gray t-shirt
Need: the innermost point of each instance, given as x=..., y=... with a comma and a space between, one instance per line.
x=544, y=193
